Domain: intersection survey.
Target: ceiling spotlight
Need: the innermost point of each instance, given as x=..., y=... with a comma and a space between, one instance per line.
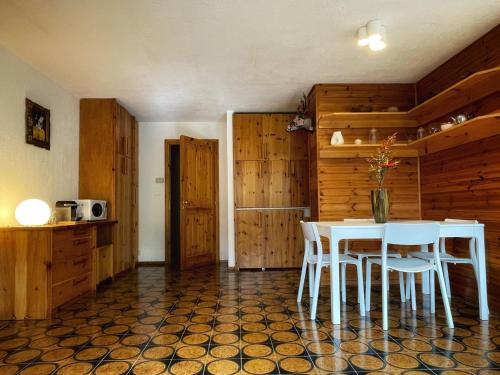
x=372, y=35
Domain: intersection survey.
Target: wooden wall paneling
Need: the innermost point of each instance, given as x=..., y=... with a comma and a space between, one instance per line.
x=7, y=275
x=249, y=184
x=464, y=183
x=250, y=239
x=344, y=97
x=482, y=54
x=248, y=136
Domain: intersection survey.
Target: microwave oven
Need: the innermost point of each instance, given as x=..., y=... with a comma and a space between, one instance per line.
x=92, y=209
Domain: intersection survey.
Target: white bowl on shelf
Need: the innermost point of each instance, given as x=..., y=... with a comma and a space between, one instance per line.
x=446, y=126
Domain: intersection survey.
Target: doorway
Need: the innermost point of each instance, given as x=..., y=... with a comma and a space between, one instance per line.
x=191, y=202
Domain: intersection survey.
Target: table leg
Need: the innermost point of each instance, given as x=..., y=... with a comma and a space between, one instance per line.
x=425, y=275
x=334, y=280
x=483, y=292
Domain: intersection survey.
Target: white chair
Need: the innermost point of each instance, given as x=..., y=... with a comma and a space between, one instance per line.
x=448, y=258
x=367, y=254
x=315, y=262
x=409, y=234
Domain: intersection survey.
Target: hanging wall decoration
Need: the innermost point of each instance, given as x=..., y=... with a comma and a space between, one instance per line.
x=37, y=125
x=301, y=120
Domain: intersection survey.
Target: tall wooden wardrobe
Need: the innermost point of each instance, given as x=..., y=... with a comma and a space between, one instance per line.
x=109, y=170
x=271, y=190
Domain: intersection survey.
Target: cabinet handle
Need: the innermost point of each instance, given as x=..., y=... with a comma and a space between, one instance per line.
x=80, y=242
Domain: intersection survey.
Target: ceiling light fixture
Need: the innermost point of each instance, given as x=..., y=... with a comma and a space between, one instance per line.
x=372, y=35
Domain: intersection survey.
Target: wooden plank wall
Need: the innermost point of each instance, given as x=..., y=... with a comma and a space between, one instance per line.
x=483, y=54
x=464, y=183
x=343, y=185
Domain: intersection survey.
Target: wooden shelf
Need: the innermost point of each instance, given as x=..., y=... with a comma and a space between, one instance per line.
x=400, y=150
x=468, y=90
x=473, y=130
x=339, y=120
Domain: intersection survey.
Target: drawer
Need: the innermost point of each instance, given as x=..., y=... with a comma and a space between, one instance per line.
x=70, y=268
x=69, y=234
x=70, y=289
x=70, y=247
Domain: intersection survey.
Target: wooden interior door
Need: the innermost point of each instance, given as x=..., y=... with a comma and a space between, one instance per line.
x=199, y=202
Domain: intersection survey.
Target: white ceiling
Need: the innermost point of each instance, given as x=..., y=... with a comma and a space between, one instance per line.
x=191, y=60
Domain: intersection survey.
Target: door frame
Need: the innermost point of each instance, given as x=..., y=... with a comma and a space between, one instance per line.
x=168, y=244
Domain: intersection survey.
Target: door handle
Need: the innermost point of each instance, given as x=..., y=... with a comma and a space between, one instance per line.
x=185, y=203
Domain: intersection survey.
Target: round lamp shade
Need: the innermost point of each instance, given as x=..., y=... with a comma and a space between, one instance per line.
x=32, y=212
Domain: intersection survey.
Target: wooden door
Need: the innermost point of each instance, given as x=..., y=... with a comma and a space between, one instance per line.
x=199, y=201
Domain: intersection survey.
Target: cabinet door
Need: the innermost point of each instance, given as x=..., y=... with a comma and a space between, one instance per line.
x=249, y=239
x=299, y=145
x=247, y=137
x=276, y=138
x=284, y=241
x=299, y=183
x=276, y=183
x=249, y=186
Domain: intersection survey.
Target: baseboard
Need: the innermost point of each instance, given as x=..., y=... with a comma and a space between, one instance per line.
x=151, y=264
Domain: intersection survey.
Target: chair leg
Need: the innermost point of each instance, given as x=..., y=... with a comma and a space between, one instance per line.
x=385, y=292
x=343, y=267
x=413, y=293
x=446, y=301
x=311, y=280
x=302, y=280
x=361, y=297
x=402, y=287
x=433, y=292
x=360, y=261
x=446, y=279
x=368, y=284
x=408, y=286
x=317, y=280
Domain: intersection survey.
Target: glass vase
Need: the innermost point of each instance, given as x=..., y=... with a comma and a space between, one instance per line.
x=380, y=205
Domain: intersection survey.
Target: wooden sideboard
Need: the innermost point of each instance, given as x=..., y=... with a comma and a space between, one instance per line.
x=46, y=266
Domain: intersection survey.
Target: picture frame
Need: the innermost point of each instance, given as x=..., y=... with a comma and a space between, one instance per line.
x=37, y=125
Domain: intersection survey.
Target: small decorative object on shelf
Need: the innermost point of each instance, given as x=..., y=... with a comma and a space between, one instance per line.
x=358, y=141
x=392, y=108
x=372, y=136
x=420, y=132
x=446, y=125
x=301, y=120
x=433, y=129
x=379, y=165
x=337, y=138
x=462, y=117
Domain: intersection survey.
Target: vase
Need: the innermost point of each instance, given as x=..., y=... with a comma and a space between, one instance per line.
x=380, y=205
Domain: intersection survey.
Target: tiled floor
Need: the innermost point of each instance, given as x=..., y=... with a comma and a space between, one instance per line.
x=213, y=321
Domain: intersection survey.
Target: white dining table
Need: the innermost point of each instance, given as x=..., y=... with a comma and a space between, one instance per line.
x=336, y=231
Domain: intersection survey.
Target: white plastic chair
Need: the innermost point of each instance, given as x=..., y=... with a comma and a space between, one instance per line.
x=315, y=262
x=448, y=258
x=409, y=234
x=367, y=254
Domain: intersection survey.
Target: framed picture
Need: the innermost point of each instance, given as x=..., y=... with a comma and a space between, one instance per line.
x=37, y=125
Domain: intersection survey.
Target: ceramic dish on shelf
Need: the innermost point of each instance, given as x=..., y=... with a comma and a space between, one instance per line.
x=446, y=126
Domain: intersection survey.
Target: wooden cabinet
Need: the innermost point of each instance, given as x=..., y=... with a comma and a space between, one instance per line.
x=109, y=169
x=270, y=180
x=269, y=238
x=45, y=267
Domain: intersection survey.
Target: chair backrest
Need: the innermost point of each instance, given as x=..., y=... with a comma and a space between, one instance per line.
x=346, y=242
x=311, y=237
x=448, y=220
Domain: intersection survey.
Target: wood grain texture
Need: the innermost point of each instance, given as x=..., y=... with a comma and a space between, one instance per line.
x=464, y=183
x=270, y=170
x=482, y=54
x=109, y=171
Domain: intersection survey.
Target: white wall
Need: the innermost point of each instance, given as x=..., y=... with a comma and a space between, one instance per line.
x=27, y=171
x=152, y=195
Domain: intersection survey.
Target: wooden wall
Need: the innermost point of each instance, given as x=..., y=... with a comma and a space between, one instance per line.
x=483, y=54
x=464, y=182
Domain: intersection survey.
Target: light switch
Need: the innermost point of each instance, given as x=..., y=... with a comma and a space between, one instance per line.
x=159, y=180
